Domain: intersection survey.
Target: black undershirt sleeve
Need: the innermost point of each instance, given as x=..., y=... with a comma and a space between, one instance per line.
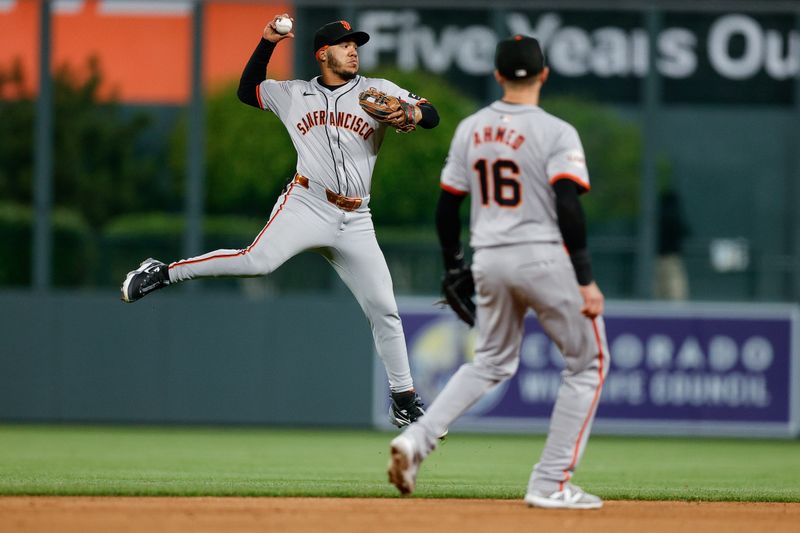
x=572, y=223
x=255, y=72
x=430, y=117
x=448, y=227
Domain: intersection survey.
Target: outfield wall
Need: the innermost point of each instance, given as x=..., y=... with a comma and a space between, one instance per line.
x=186, y=357
x=676, y=369
x=204, y=357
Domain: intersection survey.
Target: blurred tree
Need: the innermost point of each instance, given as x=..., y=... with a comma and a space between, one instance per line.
x=249, y=155
x=97, y=170
x=613, y=149
x=405, y=184
x=16, y=135
x=73, y=246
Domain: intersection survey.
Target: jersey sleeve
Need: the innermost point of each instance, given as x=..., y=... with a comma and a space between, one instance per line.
x=567, y=159
x=455, y=178
x=395, y=90
x=275, y=96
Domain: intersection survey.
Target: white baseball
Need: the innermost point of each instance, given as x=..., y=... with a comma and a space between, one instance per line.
x=283, y=25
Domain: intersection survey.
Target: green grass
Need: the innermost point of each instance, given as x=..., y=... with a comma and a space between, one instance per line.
x=109, y=460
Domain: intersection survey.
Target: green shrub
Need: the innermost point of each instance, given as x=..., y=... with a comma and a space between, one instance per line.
x=613, y=149
x=98, y=169
x=73, y=247
x=171, y=226
x=405, y=185
x=249, y=156
x=129, y=239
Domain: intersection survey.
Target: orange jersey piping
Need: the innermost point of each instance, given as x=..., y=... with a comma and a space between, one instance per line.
x=592, y=407
x=240, y=252
x=573, y=177
x=453, y=190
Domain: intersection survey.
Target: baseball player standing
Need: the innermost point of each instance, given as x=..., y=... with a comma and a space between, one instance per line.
x=524, y=169
x=325, y=206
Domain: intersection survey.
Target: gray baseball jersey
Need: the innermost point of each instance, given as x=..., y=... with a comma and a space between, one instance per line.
x=507, y=157
x=337, y=144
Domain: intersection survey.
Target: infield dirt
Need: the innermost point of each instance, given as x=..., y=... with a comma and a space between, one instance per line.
x=24, y=514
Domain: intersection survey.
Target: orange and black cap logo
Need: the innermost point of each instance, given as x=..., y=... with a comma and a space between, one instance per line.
x=336, y=32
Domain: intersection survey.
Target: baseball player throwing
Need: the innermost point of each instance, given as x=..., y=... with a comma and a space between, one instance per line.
x=524, y=170
x=325, y=206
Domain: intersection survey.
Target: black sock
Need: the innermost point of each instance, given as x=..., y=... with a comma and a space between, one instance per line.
x=163, y=274
x=404, y=398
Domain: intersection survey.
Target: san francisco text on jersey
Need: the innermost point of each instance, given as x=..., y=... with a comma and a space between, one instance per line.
x=340, y=120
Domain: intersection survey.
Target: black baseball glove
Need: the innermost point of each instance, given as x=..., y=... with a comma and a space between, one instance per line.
x=458, y=288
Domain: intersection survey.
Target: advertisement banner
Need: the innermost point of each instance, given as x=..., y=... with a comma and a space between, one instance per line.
x=690, y=369
x=714, y=57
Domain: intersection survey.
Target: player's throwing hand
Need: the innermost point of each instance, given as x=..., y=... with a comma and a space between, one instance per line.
x=271, y=31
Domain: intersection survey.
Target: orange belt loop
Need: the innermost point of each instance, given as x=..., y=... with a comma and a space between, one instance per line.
x=301, y=180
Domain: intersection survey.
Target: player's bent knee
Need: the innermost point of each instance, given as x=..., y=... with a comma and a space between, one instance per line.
x=581, y=363
x=383, y=312
x=495, y=371
x=252, y=266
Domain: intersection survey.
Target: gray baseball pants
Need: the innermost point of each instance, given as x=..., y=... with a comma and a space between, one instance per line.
x=304, y=220
x=510, y=280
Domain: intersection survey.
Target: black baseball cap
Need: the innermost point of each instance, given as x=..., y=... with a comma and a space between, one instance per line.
x=519, y=57
x=336, y=32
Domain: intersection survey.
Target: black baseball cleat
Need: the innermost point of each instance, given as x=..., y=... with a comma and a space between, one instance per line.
x=151, y=275
x=407, y=408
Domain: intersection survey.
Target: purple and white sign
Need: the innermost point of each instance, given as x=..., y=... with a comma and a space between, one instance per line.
x=689, y=369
